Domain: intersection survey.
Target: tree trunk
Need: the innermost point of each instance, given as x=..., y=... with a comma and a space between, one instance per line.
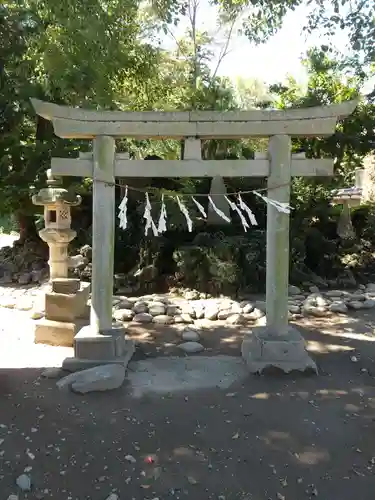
x=27, y=228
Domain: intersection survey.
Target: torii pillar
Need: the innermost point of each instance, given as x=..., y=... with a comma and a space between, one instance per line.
x=277, y=343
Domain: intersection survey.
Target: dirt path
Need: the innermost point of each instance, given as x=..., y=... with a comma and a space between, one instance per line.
x=288, y=437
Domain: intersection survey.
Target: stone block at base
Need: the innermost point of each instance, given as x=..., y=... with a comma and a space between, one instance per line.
x=264, y=348
x=77, y=364
x=56, y=333
x=92, y=349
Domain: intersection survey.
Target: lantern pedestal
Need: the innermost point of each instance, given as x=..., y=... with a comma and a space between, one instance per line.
x=66, y=312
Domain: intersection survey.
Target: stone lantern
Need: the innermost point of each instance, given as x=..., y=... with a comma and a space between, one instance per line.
x=348, y=198
x=57, y=232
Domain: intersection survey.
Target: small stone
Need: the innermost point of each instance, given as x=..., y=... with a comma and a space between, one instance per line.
x=309, y=310
x=52, y=373
x=235, y=319
x=156, y=309
x=338, y=307
x=123, y=314
x=191, y=347
x=356, y=305
x=185, y=318
x=190, y=335
x=142, y=318
x=256, y=314
x=36, y=315
x=192, y=295
x=173, y=310
x=13, y=497
x=124, y=304
x=163, y=319
x=140, y=307
x=24, y=482
x=334, y=293
x=247, y=308
x=294, y=290
x=211, y=313
x=224, y=314
x=371, y=287
x=314, y=289
x=368, y=304
x=354, y=359
x=188, y=309
x=199, y=312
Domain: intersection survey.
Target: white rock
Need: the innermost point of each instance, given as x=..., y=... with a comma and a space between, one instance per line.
x=211, y=313
x=13, y=497
x=140, y=307
x=247, y=308
x=163, y=319
x=123, y=314
x=173, y=310
x=236, y=308
x=156, y=309
x=124, y=304
x=256, y=314
x=314, y=289
x=294, y=290
x=188, y=309
x=99, y=378
x=199, y=312
x=356, y=296
x=36, y=315
x=24, y=482
x=235, y=319
x=356, y=305
x=190, y=335
x=223, y=314
x=321, y=301
x=338, y=307
x=191, y=295
x=142, y=318
x=309, y=310
x=369, y=304
x=334, y=293
x=191, y=347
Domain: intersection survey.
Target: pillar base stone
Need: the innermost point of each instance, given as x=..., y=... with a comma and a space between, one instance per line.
x=107, y=347
x=264, y=348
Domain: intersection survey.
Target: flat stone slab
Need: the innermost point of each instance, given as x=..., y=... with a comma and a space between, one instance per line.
x=100, y=378
x=174, y=374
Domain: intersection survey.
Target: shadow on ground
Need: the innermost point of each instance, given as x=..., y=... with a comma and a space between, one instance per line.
x=267, y=437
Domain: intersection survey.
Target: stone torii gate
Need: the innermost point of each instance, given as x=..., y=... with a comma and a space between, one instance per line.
x=277, y=343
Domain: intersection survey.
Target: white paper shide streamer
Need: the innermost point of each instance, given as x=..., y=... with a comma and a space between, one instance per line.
x=280, y=206
x=199, y=207
x=123, y=207
x=234, y=207
x=148, y=217
x=162, y=224
x=247, y=210
x=184, y=210
x=218, y=211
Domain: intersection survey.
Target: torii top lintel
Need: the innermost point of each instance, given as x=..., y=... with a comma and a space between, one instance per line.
x=74, y=123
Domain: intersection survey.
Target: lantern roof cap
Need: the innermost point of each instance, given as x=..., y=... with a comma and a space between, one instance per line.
x=55, y=193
